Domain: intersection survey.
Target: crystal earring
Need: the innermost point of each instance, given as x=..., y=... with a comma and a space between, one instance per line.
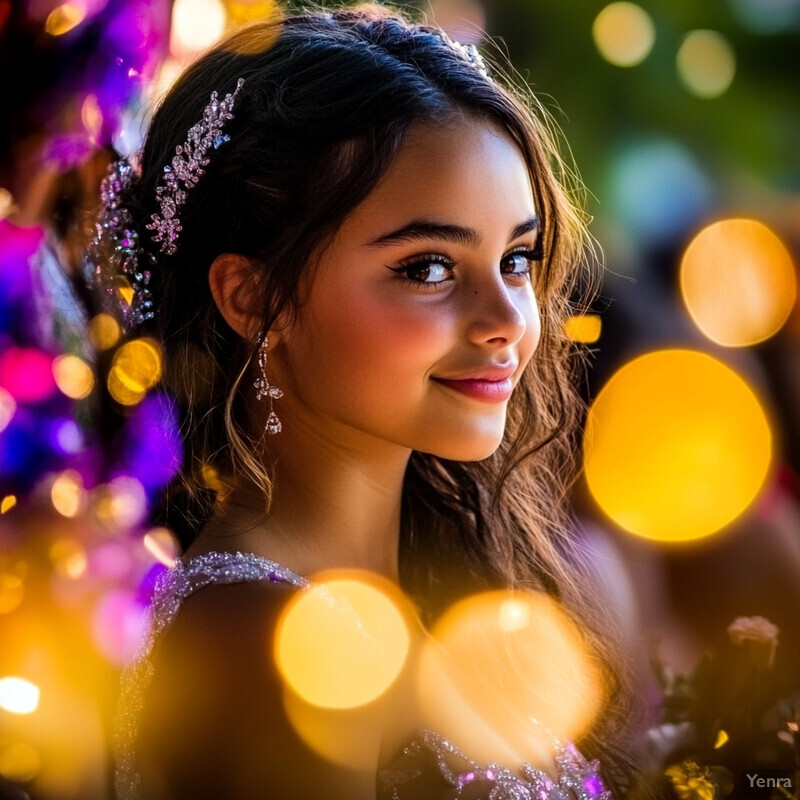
x=263, y=389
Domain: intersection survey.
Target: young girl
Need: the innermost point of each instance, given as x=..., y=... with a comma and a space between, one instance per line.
x=349, y=237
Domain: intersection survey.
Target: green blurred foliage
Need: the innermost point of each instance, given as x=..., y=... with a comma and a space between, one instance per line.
x=750, y=133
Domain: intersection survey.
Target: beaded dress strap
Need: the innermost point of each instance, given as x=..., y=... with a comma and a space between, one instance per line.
x=172, y=588
x=578, y=778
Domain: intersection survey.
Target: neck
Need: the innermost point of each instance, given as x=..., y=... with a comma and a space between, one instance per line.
x=334, y=506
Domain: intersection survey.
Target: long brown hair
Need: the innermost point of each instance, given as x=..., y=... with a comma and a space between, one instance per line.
x=328, y=99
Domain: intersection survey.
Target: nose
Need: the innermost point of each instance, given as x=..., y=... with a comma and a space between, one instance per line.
x=500, y=314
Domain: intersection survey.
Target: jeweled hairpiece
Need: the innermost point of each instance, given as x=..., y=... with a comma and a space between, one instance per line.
x=187, y=165
x=470, y=52
x=115, y=258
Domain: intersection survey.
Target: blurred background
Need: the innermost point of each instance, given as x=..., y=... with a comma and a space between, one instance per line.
x=683, y=118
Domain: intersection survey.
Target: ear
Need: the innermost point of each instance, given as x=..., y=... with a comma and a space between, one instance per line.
x=231, y=279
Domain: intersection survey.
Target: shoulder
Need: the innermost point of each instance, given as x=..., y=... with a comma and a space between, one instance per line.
x=214, y=722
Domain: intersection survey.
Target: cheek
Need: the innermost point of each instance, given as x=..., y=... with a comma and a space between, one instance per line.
x=367, y=346
x=533, y=329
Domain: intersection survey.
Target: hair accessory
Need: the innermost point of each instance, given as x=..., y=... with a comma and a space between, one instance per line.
x=187, y=165
x=470, y=52
x=263, y=389
x=114, y=259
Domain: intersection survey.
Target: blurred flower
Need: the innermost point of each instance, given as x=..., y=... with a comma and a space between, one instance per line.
x=690, y=781
x=758, y=635
x=727, y=713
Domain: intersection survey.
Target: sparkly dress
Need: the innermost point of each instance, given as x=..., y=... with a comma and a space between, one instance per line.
x=430, y=765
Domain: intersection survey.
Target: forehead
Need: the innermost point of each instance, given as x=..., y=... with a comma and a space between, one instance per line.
x=466, y=172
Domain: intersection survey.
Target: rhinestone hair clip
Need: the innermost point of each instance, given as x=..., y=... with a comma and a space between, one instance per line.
x=116, y=263
x=187, y=165
x=470, y=52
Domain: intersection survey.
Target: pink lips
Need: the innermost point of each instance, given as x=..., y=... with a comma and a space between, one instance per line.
x=492, y=385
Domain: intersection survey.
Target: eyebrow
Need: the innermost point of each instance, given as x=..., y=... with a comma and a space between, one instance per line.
x=426, y=229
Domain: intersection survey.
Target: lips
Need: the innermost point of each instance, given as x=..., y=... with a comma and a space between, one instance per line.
x=491, y=384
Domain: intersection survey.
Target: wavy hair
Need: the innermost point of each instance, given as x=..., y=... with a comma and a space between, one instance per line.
x=328, y=100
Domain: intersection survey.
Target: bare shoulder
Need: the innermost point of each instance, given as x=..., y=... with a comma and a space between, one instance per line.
x=214, y=722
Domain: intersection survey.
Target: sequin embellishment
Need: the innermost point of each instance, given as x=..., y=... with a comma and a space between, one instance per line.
x=578, y=779
x=172, y=588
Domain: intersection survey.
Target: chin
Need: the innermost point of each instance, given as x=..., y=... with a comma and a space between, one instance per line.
x=475, y=448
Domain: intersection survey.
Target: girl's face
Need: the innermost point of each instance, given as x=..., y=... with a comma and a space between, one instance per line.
x=421, y=315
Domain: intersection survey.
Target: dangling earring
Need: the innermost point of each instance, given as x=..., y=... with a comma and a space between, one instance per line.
x=263, y=389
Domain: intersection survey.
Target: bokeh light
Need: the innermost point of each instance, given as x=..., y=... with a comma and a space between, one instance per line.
x=117, y=625
x=19, y=760
x=765, y=17
x=64, y=18
x=512, y=657
x=583, y=328
x=196, y=24
x=343, y=736
x=18, y=696
x=6, y=202
x=624, y=34
x=677, y=446
x=153, y=447
x=706, y=63
x=27, y=374
x=104, y=331
x=92, y=116
x=163, y=545
x=67, y=436
x=135, y=369
x=12, y=590
x=73, y=376
x=67, y=493
x=111, y=560
x=240, y=12
x=659, y=190
x=738, y=282
x=342, y=642
x=7, y=408
x=7, y=503
x=68, y=558
x=121, y=503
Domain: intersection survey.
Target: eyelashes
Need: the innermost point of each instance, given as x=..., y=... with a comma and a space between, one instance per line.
x=417, y=270
x=431, y=270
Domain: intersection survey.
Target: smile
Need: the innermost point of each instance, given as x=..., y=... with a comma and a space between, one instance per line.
x=479, y=389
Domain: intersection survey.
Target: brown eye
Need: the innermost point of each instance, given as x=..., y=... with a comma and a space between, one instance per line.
x=516, y=264
x=430, y=272
x=427, y=271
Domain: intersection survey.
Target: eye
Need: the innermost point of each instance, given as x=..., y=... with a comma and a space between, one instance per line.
x=427, y=271
x=519, y=262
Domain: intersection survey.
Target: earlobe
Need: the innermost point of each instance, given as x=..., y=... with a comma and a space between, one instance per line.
x=231, y=279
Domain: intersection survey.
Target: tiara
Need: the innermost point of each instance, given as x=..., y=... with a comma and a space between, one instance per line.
x=186, y=167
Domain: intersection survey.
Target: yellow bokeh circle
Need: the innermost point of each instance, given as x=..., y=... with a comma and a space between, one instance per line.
x=341, y=643
x=104, y=331
x=624, y=34
x=677, y=446
x=135, y=369
x=18, y=696
x=515, y=660
x=584, y=328
x=196, y=24
x=738, y=282
x=706, y=63
x=73, y=376
x=67, y=493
